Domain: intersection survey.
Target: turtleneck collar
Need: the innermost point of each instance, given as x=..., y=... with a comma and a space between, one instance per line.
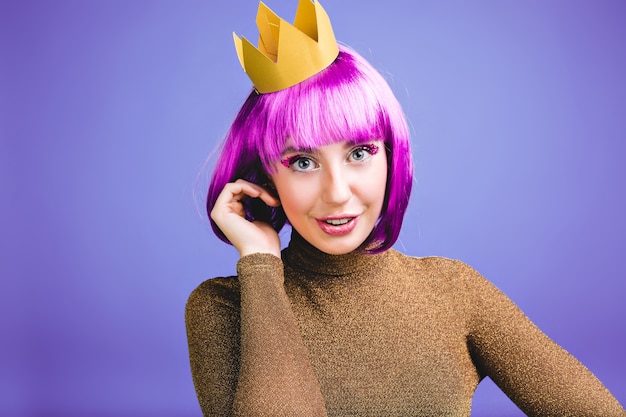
x=300, y=254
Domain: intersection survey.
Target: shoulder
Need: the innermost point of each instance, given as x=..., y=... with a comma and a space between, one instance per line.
x=212, y=309
x=465, y=283
x=224, y=292
x=441, y=274
x=220, y=292
x=423, y=261
x=435, y=266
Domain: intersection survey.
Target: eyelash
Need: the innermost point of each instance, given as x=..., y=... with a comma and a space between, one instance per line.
x=370, y=148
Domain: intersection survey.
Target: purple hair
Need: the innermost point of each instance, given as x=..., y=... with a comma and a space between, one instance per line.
x=349, y=100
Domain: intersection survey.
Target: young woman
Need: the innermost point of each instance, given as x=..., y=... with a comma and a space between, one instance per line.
x=338, y=323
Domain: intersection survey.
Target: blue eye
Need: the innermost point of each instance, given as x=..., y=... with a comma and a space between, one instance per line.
x=362, y=153
x=302, y=164
x=359, y=154
x=299, y=163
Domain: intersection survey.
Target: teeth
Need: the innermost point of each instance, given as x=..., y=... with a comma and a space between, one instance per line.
x=337, y=222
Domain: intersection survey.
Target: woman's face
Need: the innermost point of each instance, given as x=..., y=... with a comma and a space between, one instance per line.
x=333, y=195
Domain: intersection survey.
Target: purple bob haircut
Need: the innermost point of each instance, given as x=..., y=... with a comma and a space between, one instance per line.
x=349, y=100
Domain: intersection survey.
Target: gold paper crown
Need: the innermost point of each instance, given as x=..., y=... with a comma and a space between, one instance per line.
x=288, y=55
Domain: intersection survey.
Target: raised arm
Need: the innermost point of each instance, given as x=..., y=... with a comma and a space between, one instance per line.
x=276, y=377
x=537, y=374
x=247, y=355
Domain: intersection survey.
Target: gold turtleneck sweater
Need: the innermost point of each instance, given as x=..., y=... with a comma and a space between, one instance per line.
x=372, y=335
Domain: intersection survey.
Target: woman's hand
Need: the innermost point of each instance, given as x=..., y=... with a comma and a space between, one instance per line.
x=228, y=213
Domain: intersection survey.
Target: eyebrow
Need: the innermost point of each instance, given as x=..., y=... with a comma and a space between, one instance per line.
x=291, y=149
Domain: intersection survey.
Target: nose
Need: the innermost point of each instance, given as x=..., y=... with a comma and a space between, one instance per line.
x=336, y=188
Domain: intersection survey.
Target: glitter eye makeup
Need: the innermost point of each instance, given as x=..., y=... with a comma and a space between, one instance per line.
x=362, y=153
x=370, y=148
x=304, y=163
x=300, y=163
x=287, y=162
x=373, y=149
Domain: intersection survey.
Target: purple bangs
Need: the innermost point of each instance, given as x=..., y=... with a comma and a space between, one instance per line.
x=348, y=101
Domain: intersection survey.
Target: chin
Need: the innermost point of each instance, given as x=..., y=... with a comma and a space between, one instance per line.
x=335, y=251
x=338, y=248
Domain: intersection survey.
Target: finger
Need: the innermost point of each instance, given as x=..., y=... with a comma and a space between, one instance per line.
x=236, y=192
x=229, y=201
x=257, y=191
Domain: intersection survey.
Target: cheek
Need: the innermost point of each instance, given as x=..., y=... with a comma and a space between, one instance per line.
x=374, y=188
x=295, y=197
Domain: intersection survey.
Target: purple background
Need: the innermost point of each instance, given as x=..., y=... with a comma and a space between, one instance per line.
x=109, y=108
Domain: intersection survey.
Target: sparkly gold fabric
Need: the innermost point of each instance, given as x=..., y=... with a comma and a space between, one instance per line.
x=372, y=335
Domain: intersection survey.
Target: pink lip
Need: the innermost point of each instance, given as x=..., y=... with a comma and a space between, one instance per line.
x=339, y=230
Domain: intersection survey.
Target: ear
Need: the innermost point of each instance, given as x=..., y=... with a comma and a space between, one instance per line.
x=271, y=188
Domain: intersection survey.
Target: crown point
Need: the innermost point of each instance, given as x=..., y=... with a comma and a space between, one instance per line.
x=288, y=54
x=268, y=24
x=306, y=18
x=239, y=49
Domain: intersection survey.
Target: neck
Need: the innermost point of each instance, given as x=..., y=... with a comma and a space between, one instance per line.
x=300, y=254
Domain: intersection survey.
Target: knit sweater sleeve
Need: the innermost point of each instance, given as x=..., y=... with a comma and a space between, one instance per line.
x=251, y=360
x=537, y=374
